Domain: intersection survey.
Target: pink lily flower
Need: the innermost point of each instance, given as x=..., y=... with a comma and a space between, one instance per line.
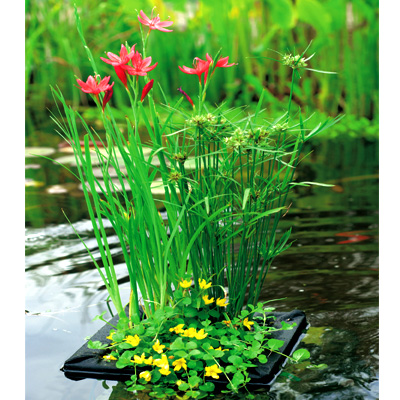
x=118, y=61
x=221, y=63
x=200, y=67
x=140, y=66
x=154, y=23
x=93, y=87
x=146, y=89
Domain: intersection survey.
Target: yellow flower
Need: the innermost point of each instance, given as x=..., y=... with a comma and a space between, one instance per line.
x=163, y=365
x=178, y=364
x=207, y=300
x=164, y=370
x=191, y=332
x=200, y=334
x=221, y=302
x=148, y=361
x=179, y=382
x=159, y=362
x=132, y=340
x=227, y=323
x=109, y=357
x=218, y=348
x=185, y=284
x=146, y=375
x=110, y=337
x=139, y=360
x=177, y=329
x=213, y=371
x=203, y=284
x=248, y=323
x=158, y=347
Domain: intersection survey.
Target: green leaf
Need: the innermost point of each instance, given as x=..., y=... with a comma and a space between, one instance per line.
x=238, y=379
x=235, y=360
x=218, y=353
x=99, y=317
x=178, y=344
x=248, y=337
x=250, y=354
x=195, y=366
x=186, y=301
x=213, y=313
x=286, y=326
x=245, y=198
x=184, y=386
x=194, y=380
x=191, y=312
x=262, y=358
x=230, y=369
x=301, y=355
x=207, y=387
x=207, y=202
x=225, y=341
x=191, y=345
x=96, y=345
x=138, y=387
x=275, y=344
x=181, y=354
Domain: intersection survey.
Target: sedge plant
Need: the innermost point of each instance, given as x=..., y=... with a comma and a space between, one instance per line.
x=196, y=276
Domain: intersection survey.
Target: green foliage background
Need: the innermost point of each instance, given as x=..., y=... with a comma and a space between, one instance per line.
x=344, y=34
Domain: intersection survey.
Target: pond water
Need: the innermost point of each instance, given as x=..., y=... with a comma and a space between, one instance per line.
x=330, y=272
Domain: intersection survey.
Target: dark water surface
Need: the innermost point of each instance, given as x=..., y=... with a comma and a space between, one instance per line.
x=330, y=272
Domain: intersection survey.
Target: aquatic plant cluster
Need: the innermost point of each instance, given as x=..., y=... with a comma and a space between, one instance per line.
x=195, y=279
x=187, y=347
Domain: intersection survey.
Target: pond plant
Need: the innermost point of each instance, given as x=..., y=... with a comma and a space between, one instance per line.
x=193, y=315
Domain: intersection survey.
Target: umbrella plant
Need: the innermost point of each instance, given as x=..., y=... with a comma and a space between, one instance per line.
x=195, y=274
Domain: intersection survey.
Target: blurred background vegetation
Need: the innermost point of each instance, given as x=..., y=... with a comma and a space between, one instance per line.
x=344, y=37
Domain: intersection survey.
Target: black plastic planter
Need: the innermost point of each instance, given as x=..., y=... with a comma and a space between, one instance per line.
x=89, y=363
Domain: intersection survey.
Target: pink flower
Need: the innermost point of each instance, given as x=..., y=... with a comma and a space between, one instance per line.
x=140, y=66
x=123, y=58
x=118, y=61
x=187, y=96
x=221, y=63
x=146, y=89
x=154, y=23
x=200, y=67
x=93, y=87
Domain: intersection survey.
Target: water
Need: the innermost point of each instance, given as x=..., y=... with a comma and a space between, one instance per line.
x=330, y=272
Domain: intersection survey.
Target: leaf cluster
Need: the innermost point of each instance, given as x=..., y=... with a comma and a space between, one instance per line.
x=231, y=348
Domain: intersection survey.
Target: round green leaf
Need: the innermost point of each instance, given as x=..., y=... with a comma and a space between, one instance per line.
x=301, y=355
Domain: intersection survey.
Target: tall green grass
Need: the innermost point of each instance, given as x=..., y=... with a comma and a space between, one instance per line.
x=225, y=188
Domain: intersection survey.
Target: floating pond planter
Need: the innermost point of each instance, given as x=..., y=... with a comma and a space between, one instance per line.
x=89, y=363
x=197, y=274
